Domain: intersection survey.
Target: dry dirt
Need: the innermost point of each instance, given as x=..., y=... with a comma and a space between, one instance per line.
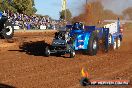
x=23, y=64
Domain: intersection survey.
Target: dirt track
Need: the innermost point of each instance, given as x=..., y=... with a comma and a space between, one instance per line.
x=23, y=64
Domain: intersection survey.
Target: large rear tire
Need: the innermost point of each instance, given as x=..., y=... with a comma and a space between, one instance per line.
x=93, y=44
x=107, y=43
x=118, y=43
x=114, y=46
x=8, y=31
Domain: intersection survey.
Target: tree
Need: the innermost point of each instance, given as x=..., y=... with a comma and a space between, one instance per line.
x=68, y=15
x=21, y=6
x=25, y=6
x=127, y=13
x=34, y=10
x=6, y=5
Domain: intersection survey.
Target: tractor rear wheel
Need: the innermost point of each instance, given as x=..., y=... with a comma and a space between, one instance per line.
x=118, y=43
x=114, y=46
x=8, y=31
x=93, y=44
x=107, y=43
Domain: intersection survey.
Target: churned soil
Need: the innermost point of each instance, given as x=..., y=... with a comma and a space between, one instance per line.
x=23, y=64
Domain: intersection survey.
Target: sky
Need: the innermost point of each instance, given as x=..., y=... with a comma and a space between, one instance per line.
x=53, y=7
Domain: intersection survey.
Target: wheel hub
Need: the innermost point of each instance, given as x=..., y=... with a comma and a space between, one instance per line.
x=73, y=53
x=94, y=44
x=114, y=45
x=119, y=43
x=9, y=30
x=110, y=39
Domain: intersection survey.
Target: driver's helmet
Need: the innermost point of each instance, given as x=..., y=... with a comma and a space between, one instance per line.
x=78, y=25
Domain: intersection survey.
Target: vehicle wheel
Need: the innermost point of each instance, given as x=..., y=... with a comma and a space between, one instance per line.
x=47, y=51
x=107, y=43
x=118, y=43
x=72, y=54
x=8, y=31
x=114, y=46
x=93, y=44
x=109, y=39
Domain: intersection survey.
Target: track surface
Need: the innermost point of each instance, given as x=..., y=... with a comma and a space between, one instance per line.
x=23, y=64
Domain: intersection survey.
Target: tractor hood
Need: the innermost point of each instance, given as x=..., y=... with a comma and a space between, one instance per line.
x=80, y=39
x=77, y=32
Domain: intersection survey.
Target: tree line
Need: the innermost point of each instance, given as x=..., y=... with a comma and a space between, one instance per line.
x=21, y=6
x=93, y=11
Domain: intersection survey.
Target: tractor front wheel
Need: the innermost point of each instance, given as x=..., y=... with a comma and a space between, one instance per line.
x=47, y=51
x=72, y=54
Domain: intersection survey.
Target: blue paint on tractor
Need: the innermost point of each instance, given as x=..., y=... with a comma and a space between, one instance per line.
x=85, y=38
x=82, y=37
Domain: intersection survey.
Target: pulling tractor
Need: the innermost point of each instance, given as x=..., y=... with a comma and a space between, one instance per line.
x=6, y=27
x=85, y=38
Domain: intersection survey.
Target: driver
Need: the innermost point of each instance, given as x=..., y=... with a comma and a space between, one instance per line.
x=78, y=26
x=67, y=37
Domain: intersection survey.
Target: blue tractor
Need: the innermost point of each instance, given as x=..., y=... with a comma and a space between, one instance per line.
x=80, y=37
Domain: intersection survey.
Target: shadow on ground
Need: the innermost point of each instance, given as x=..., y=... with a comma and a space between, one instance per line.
x=34, y=48
x=38, y=49
x=5, y=86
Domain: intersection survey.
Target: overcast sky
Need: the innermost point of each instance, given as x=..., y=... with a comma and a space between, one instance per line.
x=53, y=7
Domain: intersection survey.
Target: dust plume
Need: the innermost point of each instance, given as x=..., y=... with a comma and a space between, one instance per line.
x=96, y=11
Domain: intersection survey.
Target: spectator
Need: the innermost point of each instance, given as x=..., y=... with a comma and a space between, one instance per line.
x=31, y=22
